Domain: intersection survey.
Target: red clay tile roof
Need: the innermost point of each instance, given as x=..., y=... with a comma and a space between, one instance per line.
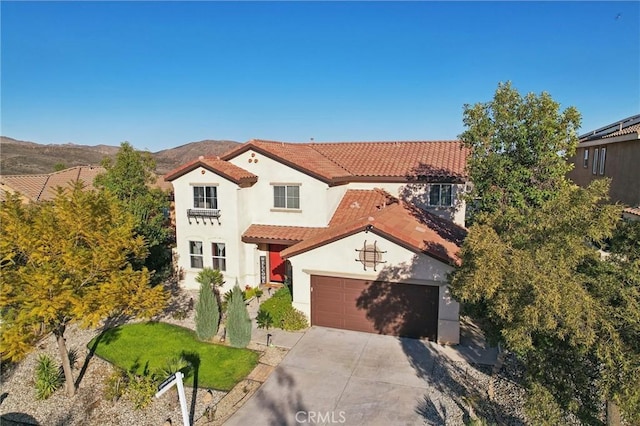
x=626, y=131
x=44, y=187
x=633, y=210
x=360, y=161
x=276, y=234
x=357, y=203
x=235, y=174
x=398, y=159
x=406, y=225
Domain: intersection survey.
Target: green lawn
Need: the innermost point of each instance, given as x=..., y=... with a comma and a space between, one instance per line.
x=150, y=345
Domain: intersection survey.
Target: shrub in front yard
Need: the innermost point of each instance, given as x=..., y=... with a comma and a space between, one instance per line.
x=264, y=320
x=48, y=377
x=141, y=389
x=238, y=321
x=278, y=305
x=115, y=385
x=284, y=315
x=249, y=292
x=207, y=310
x=294, y=320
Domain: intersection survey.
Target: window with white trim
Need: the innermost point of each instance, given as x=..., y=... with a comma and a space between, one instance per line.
x=585, y=161
x=440, y=194
x=205, y=197
x=594, y=168
x=286, y=196
x=219, y=256
x=195, y=253
x=603, y=155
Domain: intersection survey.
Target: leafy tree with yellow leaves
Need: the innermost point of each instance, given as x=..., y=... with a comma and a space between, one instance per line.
x=66, y=261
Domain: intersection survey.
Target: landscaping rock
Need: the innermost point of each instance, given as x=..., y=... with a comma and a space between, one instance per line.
x=208, y=397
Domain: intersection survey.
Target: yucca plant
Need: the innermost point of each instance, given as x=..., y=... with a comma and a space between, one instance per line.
x=48, y=377
x=264, y=319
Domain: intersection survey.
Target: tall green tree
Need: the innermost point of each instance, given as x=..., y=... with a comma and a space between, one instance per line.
x=130, y=178
x=208, y=309
x=69, y=261
x=519, y=147
x=530, y=270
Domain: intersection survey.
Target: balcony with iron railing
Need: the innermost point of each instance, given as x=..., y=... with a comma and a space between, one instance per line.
x=204, y=214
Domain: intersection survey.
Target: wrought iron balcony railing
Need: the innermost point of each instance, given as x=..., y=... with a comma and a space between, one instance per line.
x=204, y=214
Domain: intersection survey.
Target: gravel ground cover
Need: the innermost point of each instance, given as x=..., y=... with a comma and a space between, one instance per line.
x=456, y=386
x=89, y=406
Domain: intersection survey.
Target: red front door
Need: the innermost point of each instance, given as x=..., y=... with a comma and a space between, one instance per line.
x=276, y=264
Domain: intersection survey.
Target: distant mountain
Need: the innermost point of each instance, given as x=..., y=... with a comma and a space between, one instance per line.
x=22, y=157
x=169, y=159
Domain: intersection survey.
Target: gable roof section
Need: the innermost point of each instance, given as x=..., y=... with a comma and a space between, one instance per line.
x=299, y=156
x=336, y=163
x=44, y=187
x=227, y=170
x=404, y=224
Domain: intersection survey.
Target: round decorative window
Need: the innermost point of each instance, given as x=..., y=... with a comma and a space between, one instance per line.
x=370, y=255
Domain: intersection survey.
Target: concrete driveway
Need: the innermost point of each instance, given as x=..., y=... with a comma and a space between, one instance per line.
x=345, y=377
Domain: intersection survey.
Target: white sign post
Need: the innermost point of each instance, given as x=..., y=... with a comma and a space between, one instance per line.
x=176, y=379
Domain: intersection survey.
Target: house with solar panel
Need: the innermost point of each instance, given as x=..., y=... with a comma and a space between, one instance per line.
x=364, y=233
x=613, y=152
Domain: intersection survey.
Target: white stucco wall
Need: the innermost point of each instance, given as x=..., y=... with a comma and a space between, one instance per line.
x=339, y=259
x=259, y=207
x=206, y=230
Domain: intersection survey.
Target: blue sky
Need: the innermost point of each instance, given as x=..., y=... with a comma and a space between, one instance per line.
x=161, y=74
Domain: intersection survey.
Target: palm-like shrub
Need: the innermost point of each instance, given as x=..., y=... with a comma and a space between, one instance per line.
x=48, y=377
x=207, y=309
x=238, y=321
x=264, y=319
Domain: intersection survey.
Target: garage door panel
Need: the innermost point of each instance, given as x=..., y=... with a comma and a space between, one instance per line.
x=355, y=285
x=378, y=307
x=335, y=309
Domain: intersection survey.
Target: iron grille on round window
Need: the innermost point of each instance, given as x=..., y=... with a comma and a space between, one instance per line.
x=370, y=255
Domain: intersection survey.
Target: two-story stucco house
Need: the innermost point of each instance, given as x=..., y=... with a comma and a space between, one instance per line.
x=365, y=233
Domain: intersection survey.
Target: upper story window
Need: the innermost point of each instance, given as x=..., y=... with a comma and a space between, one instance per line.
x=195, y=253
x=440, y=194
x=205, y=197
x=594, y=168
x=603, y=155
x=585, y=161
x=286, y=196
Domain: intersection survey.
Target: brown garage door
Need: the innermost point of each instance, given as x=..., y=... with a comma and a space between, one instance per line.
x=375, y=306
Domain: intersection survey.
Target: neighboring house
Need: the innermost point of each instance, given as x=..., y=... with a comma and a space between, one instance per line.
x=44, y=187
x=631, y=213
x=612, y=151
x=365, y=233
